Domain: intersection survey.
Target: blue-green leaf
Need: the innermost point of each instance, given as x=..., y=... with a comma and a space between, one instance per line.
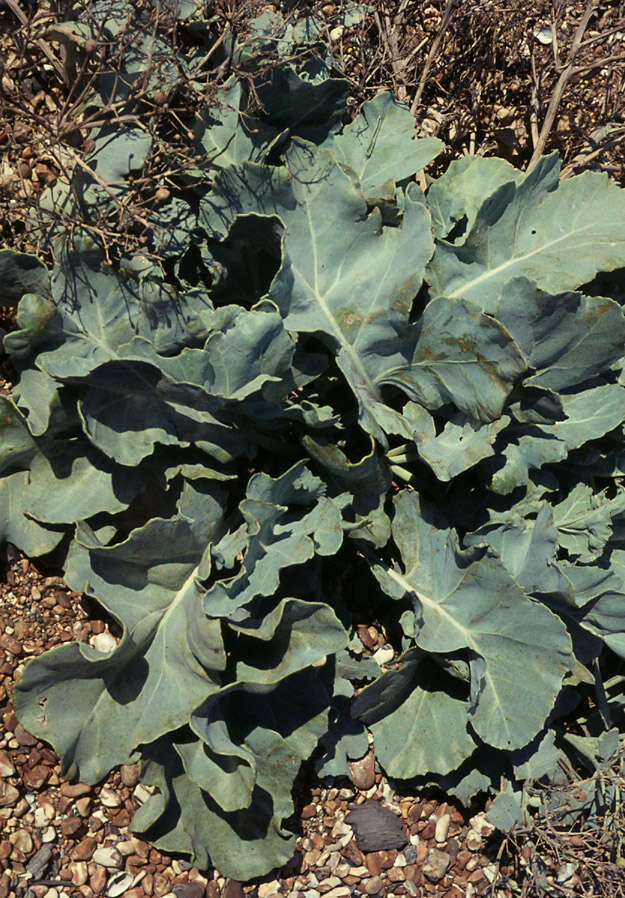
x=463, y=603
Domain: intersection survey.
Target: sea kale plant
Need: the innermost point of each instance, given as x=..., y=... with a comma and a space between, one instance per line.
x=340, y=397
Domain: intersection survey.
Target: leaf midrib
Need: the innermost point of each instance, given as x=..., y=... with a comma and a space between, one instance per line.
x=494, y=272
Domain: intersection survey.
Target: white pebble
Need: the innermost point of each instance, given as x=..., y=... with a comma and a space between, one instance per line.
x=142, y=793
x=442, y=828
x=107, y=856
x=384, y=655
x=109, y=797
x=104, y=642
x=118, y=884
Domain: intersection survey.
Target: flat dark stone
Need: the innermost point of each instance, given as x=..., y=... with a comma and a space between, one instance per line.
x=39, y=861
x=376, y=828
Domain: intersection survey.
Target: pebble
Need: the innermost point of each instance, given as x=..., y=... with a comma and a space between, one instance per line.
x=80, y=874
x=118, y=884
x=265, y=889
x=197, y=890
x=35, y=777
x=75, y=790
x=336, y=33
x=21, y=839
x=442, y=828
x=107, y=856
x=130, y=845
x=473, y=840
x=363, y=771
x=374, y=886
x=38, y=863
x=6, y=765
x=104, y=642
x=97, y=880
x=436, y=864
x=339, y=892
x=376, y=827
x=129, y=774
x=83, y=805
x=141, y=793
x=48, y=834
x=43, y=815
x=384, y=655
x=109, y=797
x=85, y=849
x=566, y=872
x=481, y=825
x=71, y=825
x=9, y=795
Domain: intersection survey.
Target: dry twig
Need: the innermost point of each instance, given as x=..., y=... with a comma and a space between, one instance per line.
x=565, y=75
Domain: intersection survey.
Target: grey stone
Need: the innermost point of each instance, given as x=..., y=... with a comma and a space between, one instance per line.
x=436, y=864
x=376, y=828
x=189, y=890
x=39, y=861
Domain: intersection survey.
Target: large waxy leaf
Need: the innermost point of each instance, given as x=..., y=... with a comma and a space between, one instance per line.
x=310, y=107
x=464, y=603
x=458, y=447
x=128, y=416
x=416, y=730
x=452, y=354
x=310, y=631
x=457, y=356
x=17, y=445
x=226, y=134
x=280, y=727
x=168, y=661
x=457, y=196
x=527, y=550
x=584, y=521
x=366, y=482
x=71, y=482
x=589, y=414
x=557, y=234
x=116, y=155
x=100, y=310
x=27, y=535
x=379, y=147
x=38, y=398
x=289, y=520
x=35, y=323
x=129, y=407
x=295, y=636
x=567, y=338
x=596, y=601
x=21, y=273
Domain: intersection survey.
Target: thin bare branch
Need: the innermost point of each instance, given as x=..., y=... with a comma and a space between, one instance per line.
x=552, y=109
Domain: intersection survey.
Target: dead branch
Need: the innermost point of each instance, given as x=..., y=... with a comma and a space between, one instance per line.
x=563, y=80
